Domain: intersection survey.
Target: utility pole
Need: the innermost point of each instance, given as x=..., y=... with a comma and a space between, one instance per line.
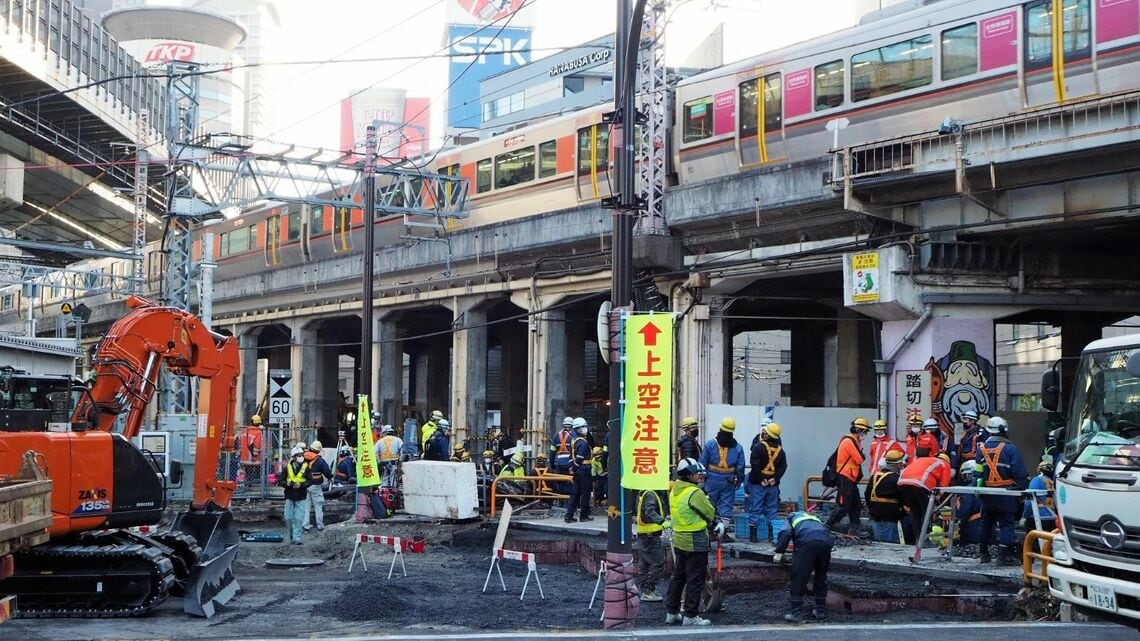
x=621, y=602
x=369, y=265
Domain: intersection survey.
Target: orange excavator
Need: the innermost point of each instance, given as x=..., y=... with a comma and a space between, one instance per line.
x=93, y=565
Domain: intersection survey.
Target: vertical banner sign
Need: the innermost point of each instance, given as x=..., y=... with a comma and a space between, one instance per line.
x=367, y=474
x=912, y=397
x=646, y=428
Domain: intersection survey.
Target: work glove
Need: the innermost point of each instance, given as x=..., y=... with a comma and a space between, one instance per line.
x=667, y=524
x=719, y=529
x=777, y=558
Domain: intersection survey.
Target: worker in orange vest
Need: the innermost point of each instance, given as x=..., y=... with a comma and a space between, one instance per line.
x=881, y=444
x=931, y=436
x=914, y=430
x=918, y=480
x=849, y=466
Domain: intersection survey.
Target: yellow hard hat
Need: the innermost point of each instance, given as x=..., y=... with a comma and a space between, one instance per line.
x=597, y=450
x=880, y=423
x=772, y=429
x=688, y=422
x=518, y=458
x=861, y=424
x=316, y=446
x=728, y=424
x=915, y=419
x=255, y=419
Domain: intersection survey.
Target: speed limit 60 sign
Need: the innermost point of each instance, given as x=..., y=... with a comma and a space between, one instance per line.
x=280, y=396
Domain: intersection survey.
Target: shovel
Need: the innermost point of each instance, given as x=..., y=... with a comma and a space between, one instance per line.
x=211, y=581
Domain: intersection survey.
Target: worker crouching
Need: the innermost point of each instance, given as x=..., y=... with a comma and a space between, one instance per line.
x=812, y=556
x=692, y=515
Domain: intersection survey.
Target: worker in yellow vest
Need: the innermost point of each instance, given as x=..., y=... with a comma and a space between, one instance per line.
x=693, y=515
x=769, y=462
x=651, y=525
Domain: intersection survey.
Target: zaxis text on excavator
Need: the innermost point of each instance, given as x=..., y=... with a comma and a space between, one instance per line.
x=102, y=484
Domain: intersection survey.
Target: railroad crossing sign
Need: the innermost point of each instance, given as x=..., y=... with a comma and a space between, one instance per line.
x=280, y=396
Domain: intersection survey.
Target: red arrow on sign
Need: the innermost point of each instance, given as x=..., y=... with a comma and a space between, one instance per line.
x=650, y=331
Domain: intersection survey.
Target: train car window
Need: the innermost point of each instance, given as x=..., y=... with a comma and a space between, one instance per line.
x=896, y=67
x=594, y=139
x=483, y=173
x=294, y=225
x=514, y=167
x=224, y=245
x=1039, y=31
x=238, y=241
x=317, y=220
x=829, y=85
x=698, y=117
x=960, y=51
x=548, y=159
x=773, y=104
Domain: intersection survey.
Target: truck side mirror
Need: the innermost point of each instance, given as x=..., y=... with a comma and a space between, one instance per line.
x=1051, y=389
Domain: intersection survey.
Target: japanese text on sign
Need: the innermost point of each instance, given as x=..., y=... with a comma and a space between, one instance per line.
x=912, y=396
x=367, y=473
x=647, y=413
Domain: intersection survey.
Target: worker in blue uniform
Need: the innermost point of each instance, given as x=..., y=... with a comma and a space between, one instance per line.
x=724, y=459
x=998, y=463
x=580, y=464
x=968, y=508
x=812, y=555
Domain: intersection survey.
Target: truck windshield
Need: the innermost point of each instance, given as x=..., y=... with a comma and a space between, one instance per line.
x=1105, y=422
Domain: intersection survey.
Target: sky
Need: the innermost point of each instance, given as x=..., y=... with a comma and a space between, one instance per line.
x=307, y=97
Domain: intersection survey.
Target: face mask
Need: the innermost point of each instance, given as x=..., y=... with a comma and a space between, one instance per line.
x=582, y=431
x=915, y=430
x=299, y=458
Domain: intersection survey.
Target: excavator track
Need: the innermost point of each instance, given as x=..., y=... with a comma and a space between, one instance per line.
x=90, y=580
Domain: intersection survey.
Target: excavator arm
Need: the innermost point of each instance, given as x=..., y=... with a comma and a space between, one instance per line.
x=126, y=366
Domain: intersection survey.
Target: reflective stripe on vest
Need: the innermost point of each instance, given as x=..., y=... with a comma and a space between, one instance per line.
x=796, y=520
x=386, y=454
x=992, y=458
x=563, y=442
x=574, y=445
x=685, y=519
x=875, y=481
x=773, y=453
x=299, y=477
x=642, y=526
x=723, y=467
x=935, y=464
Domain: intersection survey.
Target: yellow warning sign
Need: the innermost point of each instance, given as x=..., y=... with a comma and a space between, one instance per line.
x=646, y=433
x=367, y=473
x=865, y=278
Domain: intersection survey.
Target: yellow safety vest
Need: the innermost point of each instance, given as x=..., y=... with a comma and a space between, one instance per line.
x=773, y=454
x=723, y=465
x=875, y=480
x=642, y=526
x=685, y=518
x=801, y=518
x=299, y=477
x=386, y=453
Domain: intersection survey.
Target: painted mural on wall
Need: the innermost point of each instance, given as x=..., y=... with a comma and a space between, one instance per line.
x=961, y=380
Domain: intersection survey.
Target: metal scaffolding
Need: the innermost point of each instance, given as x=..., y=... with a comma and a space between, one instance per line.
x=142, y=160
x=652, y=104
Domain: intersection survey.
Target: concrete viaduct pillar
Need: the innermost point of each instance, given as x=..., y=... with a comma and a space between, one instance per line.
x=390, y=371
x=703, y=349
x=469, y=344
x=247, y=381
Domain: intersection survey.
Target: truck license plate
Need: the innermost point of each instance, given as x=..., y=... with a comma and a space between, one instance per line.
x=1102, y=597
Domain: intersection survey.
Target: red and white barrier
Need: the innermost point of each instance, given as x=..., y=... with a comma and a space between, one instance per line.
x=397, y=544
x=146, y=530
x=531, y=569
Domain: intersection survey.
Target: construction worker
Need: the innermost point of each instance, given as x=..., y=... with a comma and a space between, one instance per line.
x=723, y=458
x=769, y=462
x=651, y=524
x=882, y=494
x=968, y=508
x=687, y=444
x=560, y=453
x=849, y=466
x=345, y=473
x=998, y=463
x=971, y=432
x=881, y=444
x=515, y=467
x=295, y=479
x=812, y=556
x=599, y=471
x=459, y=454
x=429, y=428
x=249, y=442
x=498, y=442
x=580, y=467
x=388, y=450
x=319, y=472
x=1046, y=508
x=914, y=430
x=931, y=436
x=916, y=483
x=437, y=446
x=693, y=515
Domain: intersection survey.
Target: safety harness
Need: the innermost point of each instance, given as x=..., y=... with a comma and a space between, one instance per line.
x=992, y=457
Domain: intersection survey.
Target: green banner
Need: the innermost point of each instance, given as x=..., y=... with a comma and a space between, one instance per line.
x=367, y=474
x=646, y=427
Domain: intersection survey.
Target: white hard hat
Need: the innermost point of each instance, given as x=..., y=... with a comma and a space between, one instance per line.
x=996, y=425
x=579, y=422
x=444, y=424
x=688, y=466
x=296, y=451
x=568, y=421
x=930, y=424
x=387, y=429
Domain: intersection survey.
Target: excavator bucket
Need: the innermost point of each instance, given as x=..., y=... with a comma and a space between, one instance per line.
x=211, y=581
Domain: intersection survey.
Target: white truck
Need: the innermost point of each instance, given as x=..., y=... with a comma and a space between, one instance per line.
x=1096, y=564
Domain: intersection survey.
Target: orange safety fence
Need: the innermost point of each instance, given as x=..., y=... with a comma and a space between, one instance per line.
x=1029, y=555
x=538, y=487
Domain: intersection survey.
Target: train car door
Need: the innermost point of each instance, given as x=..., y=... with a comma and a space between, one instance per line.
x=592, y=176
x=306, y=233
x=273, y=240
x=1057, y=53
x=341, y=235
x=760, y=129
